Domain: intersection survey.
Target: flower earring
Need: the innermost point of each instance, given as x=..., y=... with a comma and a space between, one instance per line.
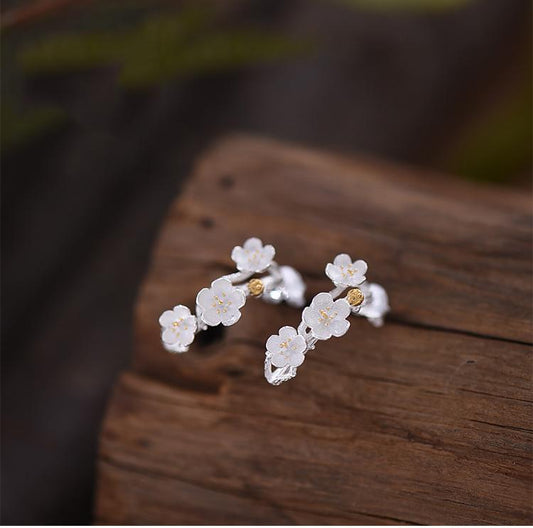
x=326, y=317
x=221, y=303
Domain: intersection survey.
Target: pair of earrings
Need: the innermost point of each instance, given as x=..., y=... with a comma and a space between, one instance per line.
x=260, y=276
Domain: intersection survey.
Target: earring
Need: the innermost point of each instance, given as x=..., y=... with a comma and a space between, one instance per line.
x=221, y=303
x=326, y=317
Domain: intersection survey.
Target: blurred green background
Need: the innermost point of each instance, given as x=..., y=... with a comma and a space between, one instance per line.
x=106, y=104
x=148, y=45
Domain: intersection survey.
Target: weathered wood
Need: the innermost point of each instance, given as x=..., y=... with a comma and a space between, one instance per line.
x=427, y=420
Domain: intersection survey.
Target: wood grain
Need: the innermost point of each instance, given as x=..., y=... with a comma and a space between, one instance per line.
x=427, y=420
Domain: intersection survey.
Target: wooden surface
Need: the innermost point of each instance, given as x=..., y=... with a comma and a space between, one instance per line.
x=426, y=420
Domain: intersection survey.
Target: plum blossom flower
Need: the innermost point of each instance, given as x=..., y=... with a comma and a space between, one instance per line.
x=327, y=317
x=253, y=256
x=178, y=327
x=344, y=272
x=287, y=348
x=376, y=304
x=220, y=303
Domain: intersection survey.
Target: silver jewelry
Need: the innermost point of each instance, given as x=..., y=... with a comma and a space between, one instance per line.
x=221, y=303
x=326, y=317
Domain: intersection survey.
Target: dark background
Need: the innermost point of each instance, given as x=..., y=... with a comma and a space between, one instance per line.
x=106, y=104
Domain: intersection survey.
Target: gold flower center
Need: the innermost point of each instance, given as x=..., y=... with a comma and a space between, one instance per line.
x=256, y=287
x=355, y=297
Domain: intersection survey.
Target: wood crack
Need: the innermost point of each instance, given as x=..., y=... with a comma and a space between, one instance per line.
x=502, y=426
x=495, y=395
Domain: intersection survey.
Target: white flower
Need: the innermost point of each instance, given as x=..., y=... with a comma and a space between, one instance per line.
x=376, y=304
x=220, y=303
x=253, y=256
x=344, y=272
x=287, y=348
x=327, y=317
x=178, y=327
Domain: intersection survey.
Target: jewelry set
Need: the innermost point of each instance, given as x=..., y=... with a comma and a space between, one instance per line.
x=260, y=276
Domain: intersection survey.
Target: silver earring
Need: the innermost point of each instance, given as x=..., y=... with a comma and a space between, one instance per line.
x=326, y=317
x=257, y=276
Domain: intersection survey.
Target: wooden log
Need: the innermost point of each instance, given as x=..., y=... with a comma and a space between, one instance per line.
x=426, y=420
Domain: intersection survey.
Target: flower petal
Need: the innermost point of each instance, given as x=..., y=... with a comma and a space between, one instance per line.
x=204, y=298
x=355, y=280
x=220, y=286
x=212, y=316
x=279, y=360
x=379, y=304
x=169, y=336
x=322, y=300
x=342, y=307
x=253, y=243
x=186, y=338
x=273, y=343
x=181, y=311
x=321, y=331
x=310, y=316
x=237, y=254
x=339, y=327
x=167, y=318
x=296, y=359
x=267, y=254
x=361, y=266
x=342, y=260
x=334, y=272
x=269, y=251
x=231, y=316
x=237, y=298
x=298, y=344
x=176, y=348
x=287, y=332
x=188, y=324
